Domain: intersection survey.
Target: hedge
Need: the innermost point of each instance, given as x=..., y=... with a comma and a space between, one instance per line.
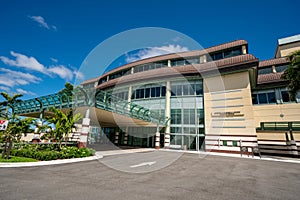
x=51, y=152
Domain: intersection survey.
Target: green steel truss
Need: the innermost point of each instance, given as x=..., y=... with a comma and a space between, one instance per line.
x=100, y=99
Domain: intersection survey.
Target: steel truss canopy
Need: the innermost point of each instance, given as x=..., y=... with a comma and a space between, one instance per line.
x=83, y=98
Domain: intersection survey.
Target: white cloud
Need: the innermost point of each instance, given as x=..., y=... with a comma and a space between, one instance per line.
x=54, y=60
x=32, y=64
x=10, y=78
x=24, y=61
x=79, y=75
x=62, y=72
x=24, y=92
x=4, y=88
x=176, y=39
x=154, y=51
x=42, y=22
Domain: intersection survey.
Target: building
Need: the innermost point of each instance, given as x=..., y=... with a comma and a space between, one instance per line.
x=217, y=99
x=220, y=99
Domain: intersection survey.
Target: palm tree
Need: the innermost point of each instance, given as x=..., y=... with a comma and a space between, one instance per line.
x=64, y=124
x=14, y=131
x=9, y=100
x=292, y=74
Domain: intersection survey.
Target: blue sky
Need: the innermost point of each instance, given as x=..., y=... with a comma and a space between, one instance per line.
x=43, y=43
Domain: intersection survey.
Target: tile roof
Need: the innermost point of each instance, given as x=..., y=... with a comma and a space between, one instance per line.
x=228, y=64
x=271, y=62
x=90, y=81
x=269, y=78
x=174, y=56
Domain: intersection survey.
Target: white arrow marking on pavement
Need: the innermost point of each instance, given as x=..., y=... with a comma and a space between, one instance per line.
x=143, y=164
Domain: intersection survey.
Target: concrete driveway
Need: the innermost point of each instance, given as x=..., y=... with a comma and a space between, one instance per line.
x=188, y=177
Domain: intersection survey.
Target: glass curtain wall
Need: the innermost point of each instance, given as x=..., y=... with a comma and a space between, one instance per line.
x=187, y=115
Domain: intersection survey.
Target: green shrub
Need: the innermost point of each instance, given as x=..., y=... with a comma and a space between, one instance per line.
x=51, y=152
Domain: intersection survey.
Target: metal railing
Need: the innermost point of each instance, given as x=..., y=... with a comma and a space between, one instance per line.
x=100, y=99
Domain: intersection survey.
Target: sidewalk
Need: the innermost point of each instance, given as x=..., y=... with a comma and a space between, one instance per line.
x=264, y=157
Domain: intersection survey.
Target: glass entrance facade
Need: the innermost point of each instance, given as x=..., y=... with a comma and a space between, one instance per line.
x=187, y=115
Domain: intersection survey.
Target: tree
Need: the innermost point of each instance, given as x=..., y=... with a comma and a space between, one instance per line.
x=68, y=91
x=292, y=74
x=63, y=123
x=9, y=100
x=14, y=131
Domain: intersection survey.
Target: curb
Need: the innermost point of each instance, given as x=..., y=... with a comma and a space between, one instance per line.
x=50, y=162
x=98, y=155
x=287, y=160
x=101, y=154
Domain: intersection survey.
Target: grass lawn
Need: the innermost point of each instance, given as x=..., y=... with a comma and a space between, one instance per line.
x=17, y=159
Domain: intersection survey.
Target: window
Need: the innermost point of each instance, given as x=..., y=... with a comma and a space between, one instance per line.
x=271, y=97
x=233, y=52
x=176, y=130
x=175, y=116
x=254, y=99
x=186, y=88
x=267, y=97
x=199, y=90
x=281, y=68
x=179, y=90
x=163, y=91
x=102, y=80
x=267, y=70
x=157, y=92
x=200, y=116
x=218, y=56
x=147, y=92
x=234, y=143
x=119, y=74
x=285, y=96
x=192, y=61
x=150, y=66
x=262, y=98
x=189, y=116
x=153, y=92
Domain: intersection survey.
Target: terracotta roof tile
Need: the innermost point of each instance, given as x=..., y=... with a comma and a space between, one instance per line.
x=90, y=81
x=232, y=63
x=269, y=78
x=174, y=56
x=271, y=62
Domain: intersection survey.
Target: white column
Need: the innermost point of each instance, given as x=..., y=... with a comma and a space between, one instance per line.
x=117, y=137
x=157, y=140
x=126, y=136
x=244, y=49
x=168, y=114
x=203, y=59
x=169, y=63
x=129, y=96
x=85, y=129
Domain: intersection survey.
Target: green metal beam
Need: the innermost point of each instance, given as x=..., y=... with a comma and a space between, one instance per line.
x=100, y=99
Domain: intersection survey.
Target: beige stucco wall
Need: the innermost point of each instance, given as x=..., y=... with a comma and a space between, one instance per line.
x=228, y=94
x=286, y=49
x=272, y=113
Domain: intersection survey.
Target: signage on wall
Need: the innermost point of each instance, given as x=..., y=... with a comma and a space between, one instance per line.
x=3, y=125
x=227, y=114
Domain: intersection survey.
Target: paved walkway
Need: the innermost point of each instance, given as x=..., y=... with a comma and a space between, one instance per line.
x=101, y=154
